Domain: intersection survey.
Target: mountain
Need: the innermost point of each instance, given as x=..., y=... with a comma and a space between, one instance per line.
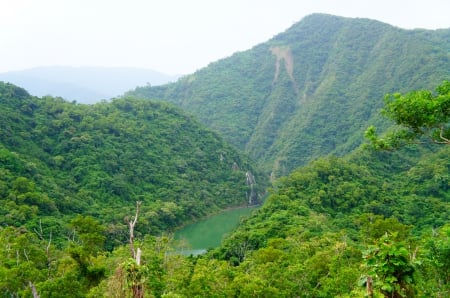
x=59, y=159
x=70, y=176
x=330, y=225
x=84, y=84
x=368, y=224
x=311, y=90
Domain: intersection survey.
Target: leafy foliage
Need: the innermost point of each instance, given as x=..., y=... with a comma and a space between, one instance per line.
x=390, y=264
x=60, y=158
x=70, y=175
x=418, y=113
x=322, y=231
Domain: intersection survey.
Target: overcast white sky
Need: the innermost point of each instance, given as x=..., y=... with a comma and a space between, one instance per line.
x=173, y=36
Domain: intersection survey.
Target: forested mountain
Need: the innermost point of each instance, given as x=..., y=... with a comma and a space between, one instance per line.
x=59, y=159
x=311, y=90
x=84, y=84
x=329, y=225
x=368, y=223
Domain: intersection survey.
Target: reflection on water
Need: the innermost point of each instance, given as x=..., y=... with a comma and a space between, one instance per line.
x=190, y=252
x=196, y=238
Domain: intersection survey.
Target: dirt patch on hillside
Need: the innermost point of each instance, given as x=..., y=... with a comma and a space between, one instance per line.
x=283, y=53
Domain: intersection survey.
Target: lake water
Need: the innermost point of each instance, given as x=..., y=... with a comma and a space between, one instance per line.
x=196, y=238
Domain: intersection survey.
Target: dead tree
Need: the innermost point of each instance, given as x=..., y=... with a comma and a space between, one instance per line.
x=136, y=286
x=135, y=253
x=33, y=290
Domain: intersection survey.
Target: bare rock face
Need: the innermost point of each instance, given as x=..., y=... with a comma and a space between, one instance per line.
x=283, y=53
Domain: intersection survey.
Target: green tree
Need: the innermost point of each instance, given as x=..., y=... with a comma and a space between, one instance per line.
x=391, y=267
x=437, y=263
x=88, y=242
x=418, y=114
x=89, y=232
x=22, y=261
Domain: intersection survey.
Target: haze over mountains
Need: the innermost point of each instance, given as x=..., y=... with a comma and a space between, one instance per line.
x=311, y=90
x=344, y=220
x=84, y=84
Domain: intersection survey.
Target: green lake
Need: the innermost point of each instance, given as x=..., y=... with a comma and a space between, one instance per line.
x=196, y=238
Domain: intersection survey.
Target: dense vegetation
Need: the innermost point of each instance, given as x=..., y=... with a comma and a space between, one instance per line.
x=60, y=159
x=430, y=123
x=318, y=233
x=324, y=230
x=372, y=223
x=90, y=194
x=332, y=75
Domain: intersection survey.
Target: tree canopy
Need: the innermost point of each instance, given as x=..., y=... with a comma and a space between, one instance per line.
x=60, y=159
x=420, y=115
x=371, y=223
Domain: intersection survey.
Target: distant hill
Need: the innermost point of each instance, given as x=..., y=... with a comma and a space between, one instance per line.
x=58, y=159
x=311, y=90
x=370, y=221
x=84, y=84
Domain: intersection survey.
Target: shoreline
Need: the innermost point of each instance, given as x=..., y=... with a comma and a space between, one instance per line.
x=213, y=214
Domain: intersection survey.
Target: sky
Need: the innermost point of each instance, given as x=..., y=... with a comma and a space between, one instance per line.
x=173, y=36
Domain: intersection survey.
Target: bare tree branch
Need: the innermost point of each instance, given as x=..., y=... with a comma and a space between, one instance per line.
x=33, y=290
x=131, y=224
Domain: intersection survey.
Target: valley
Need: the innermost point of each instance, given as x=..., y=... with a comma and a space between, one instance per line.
x=335, y=131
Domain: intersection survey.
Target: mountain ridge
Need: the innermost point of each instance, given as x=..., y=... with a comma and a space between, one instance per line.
x=61, y=158
x=370, y=223
x=278, y=100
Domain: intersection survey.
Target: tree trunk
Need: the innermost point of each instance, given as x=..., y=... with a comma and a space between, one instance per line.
x=369, y=287
x=33, y=290
x=137, y=287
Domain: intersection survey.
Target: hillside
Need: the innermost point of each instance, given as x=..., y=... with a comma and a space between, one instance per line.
x=59, y=159
x=325, y=230
x=311, y=90
x=84, y=84
x=363, y=224
x=330, y=224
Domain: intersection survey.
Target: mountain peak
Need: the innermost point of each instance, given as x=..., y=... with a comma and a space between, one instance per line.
x=311, y=90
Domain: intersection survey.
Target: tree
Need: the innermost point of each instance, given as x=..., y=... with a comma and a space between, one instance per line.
x=87, y=244
x=391, y=268
x=88, y=234
x=437, y=262
x=135, y=273
x=418, y=114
